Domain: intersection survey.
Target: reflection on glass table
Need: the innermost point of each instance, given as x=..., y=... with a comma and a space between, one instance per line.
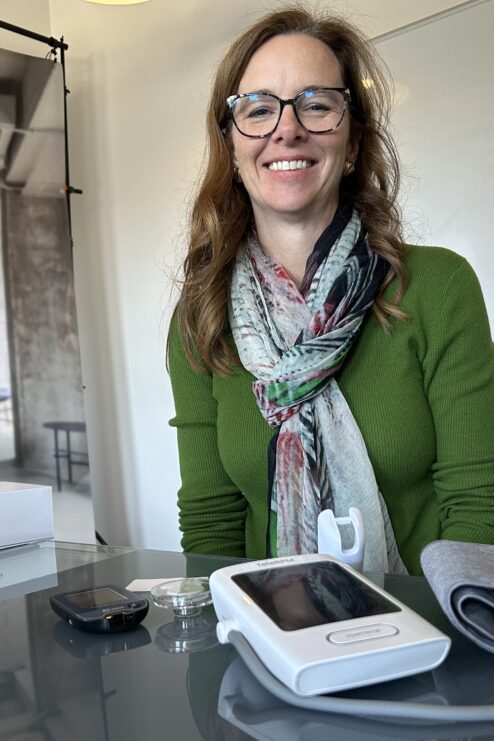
x=244, y=703
x=35, y=566
x=57, y=684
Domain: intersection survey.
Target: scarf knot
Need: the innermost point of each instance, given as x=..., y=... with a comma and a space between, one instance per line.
x=305, y=368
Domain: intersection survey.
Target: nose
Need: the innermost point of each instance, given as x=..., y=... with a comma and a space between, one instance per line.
x=289, y=127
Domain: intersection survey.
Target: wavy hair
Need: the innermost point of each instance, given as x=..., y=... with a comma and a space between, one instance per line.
x=221, y=215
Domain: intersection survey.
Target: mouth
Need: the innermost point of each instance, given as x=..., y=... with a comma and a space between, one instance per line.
x=286, y=165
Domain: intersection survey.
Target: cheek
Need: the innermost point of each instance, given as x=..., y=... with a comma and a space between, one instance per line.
x=339, y=151
x=245, y=151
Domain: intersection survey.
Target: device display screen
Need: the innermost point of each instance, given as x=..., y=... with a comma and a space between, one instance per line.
x=310, y=594
x=95, y=597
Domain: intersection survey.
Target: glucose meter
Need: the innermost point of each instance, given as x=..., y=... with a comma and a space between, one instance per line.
x=321, y=627
x=104, y=609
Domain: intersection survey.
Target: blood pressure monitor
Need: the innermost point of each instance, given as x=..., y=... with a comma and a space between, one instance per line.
x=319, y=626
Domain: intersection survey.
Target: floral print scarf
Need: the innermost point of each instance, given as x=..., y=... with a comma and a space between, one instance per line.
x=294, y=341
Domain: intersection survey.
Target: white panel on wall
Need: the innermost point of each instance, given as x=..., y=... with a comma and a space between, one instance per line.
x=444, y=127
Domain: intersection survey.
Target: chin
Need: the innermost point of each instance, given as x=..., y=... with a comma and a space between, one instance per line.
x=302, y=208
x=289, y=203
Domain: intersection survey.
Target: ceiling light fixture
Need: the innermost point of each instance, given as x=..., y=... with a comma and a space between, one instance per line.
x=117, y=2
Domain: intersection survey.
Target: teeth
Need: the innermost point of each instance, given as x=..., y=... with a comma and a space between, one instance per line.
x=290, y=165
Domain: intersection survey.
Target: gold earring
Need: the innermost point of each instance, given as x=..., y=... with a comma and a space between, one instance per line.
x=348, y=168
x=236, y=174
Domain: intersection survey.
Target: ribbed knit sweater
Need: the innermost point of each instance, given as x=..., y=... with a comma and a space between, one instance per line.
x=422, y=395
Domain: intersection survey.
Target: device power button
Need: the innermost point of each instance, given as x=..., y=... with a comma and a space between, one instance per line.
x=364, y=633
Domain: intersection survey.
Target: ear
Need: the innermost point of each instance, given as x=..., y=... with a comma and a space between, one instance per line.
x=234, y=154
x=353, y=145
x=229, y=142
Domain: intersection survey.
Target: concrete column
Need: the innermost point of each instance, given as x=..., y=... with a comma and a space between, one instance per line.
x=44, y=344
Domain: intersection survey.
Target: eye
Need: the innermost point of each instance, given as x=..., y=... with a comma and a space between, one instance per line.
x=256, y=107
x=315, y=106
x=258, y=111
x=320, y=102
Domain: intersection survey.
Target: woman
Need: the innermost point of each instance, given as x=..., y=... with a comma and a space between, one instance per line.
x=316, y=361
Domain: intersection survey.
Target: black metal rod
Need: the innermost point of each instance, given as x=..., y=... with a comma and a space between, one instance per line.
x=68, y=188
x=55, y=43
x=100, y=540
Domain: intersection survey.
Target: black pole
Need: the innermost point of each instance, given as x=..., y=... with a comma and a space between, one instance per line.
x=55, y=43
x=68, y=189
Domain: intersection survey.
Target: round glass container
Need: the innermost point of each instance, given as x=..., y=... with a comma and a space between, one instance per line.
x=186, y=597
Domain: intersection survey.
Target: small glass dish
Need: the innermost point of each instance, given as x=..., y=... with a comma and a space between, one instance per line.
x=186, y=597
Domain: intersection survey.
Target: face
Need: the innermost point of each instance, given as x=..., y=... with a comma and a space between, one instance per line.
x=286, y=65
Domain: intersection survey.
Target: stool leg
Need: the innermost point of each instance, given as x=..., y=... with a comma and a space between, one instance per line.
x=69, y=456
x=57, y=461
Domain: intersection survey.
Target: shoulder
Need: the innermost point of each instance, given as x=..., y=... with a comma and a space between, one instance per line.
x=432, y=261
x=174, y=341
x=173, y=330
x=433, y=273
x=178, y=360
x=443, y=299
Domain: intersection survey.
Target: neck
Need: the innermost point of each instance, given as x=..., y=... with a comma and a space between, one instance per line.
x=290, y=243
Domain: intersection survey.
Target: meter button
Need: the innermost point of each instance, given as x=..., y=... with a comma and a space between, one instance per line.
x=365, y=633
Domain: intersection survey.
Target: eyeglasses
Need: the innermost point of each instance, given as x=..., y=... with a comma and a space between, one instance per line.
x=318, y=110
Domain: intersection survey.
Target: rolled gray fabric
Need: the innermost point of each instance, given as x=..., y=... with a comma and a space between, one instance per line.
x=462, y=578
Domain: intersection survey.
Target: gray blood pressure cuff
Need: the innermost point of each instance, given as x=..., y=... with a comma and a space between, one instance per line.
x=462, y=577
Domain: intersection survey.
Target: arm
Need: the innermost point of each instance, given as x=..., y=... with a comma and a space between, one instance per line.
x=212, y=509
x=459, y=382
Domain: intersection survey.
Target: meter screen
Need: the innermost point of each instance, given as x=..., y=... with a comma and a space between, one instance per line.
x=96, y=597
x=310, y=594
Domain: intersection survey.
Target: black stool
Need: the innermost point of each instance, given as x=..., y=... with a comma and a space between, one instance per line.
x=73, y=457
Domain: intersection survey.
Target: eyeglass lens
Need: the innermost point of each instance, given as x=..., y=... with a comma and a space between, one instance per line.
x=257, y=114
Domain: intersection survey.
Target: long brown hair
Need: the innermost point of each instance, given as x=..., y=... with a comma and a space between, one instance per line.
x=222, y=214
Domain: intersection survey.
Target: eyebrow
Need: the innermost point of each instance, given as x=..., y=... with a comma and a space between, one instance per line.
x=264, y=91
x=308, y=89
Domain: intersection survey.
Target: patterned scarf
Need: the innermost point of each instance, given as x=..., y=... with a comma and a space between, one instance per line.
x=294, y=344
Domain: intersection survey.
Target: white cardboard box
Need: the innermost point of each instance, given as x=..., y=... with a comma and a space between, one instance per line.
x=26, y=513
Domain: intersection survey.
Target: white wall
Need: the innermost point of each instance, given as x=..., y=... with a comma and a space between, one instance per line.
x=140, y=78
x=31, y=14
x=444, y=125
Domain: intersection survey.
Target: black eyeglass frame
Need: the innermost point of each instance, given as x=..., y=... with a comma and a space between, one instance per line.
x=232, y=99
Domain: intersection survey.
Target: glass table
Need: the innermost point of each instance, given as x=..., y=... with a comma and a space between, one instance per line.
x=170, y=679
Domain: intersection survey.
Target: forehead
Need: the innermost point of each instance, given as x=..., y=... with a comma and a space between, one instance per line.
x=288, y=63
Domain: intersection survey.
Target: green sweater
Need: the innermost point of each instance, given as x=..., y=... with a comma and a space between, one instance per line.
x=423, y=396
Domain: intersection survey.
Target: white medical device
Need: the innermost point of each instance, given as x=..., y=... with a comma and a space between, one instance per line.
x=319, y=626
x=329, y=538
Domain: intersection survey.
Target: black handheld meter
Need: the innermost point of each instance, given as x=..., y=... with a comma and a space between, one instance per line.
x=105, y=609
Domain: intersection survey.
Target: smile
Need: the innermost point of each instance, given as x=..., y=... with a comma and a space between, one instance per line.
x=290, y=165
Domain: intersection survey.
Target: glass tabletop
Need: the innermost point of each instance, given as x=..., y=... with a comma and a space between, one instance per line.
x=170, y=678
x=27, y=568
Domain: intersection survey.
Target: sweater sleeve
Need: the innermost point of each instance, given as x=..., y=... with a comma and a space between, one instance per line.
x=459, y=382
x=211, y=508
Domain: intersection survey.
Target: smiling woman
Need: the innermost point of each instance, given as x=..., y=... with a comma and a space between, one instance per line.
x=293, y=175
x=305, y=377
